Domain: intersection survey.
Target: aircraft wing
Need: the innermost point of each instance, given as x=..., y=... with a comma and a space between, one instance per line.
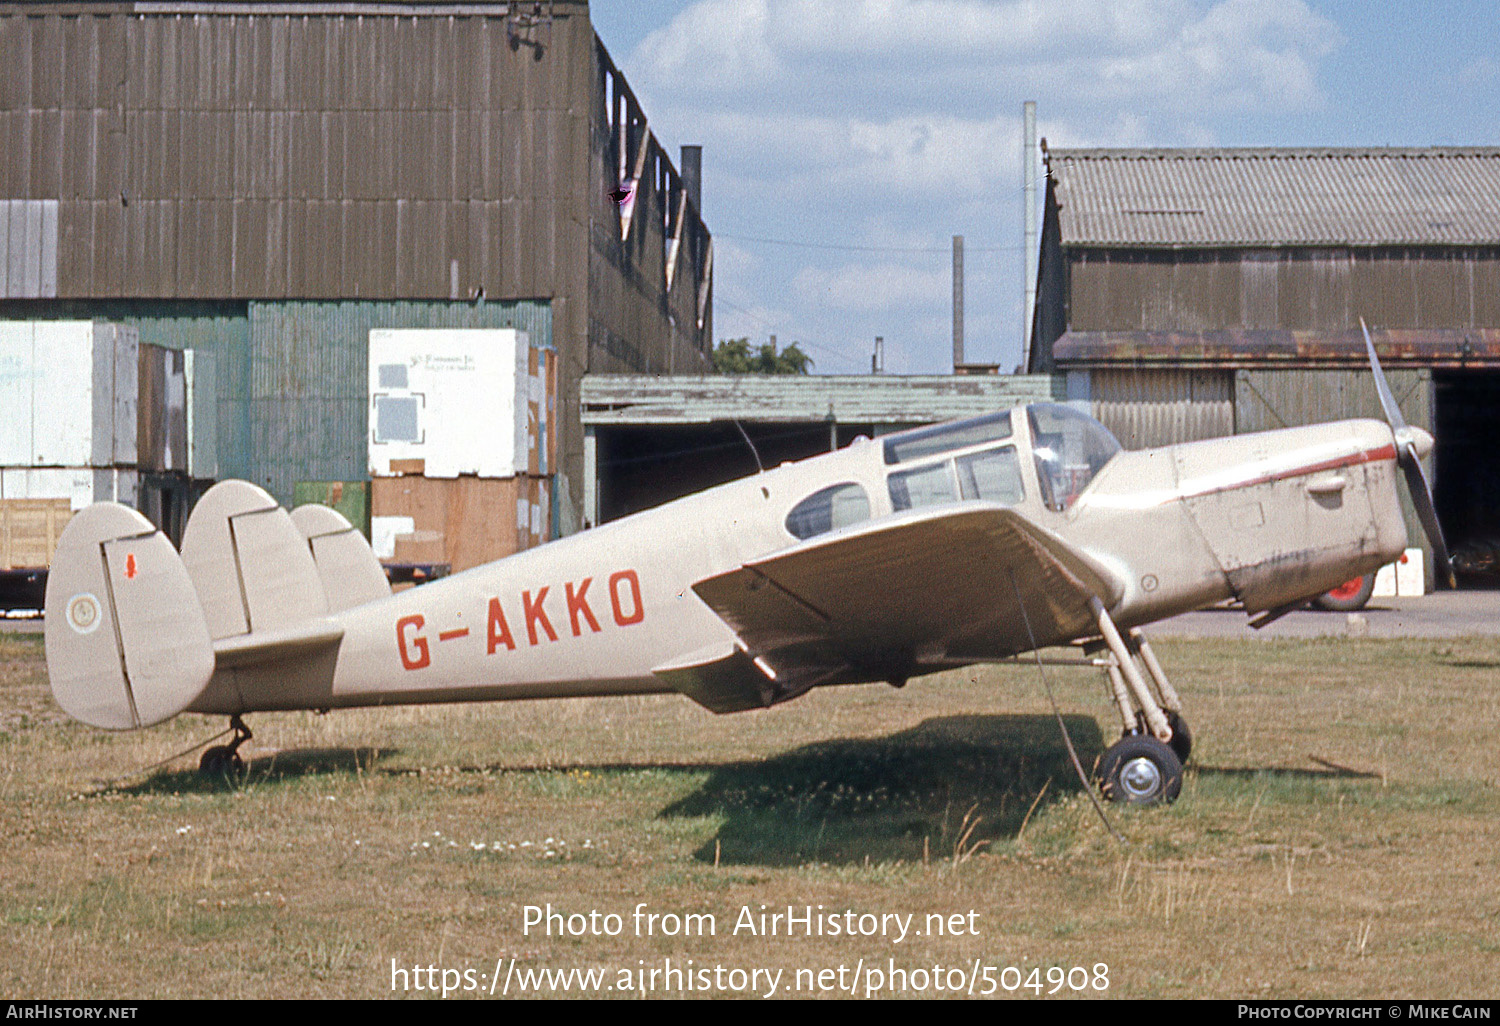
x=902, y=595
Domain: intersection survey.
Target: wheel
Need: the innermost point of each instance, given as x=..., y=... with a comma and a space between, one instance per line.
x=1347, y=597
x=1182, y=736
x=221, y=760
x=1140, y=770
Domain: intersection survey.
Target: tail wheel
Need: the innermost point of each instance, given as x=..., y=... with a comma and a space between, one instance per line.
x=221, y=760
x=1140, y=770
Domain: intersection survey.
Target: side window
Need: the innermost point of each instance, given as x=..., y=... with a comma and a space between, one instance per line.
x=925, y=486
x=829, y=509
x=994, y=475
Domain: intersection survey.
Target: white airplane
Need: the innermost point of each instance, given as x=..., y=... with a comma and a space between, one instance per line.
x=935, y=548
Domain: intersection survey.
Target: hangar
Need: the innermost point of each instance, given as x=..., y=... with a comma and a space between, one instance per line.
x=269, y=182
x=1189, y=293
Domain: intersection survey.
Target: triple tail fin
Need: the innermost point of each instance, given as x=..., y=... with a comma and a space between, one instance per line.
x=134, y=632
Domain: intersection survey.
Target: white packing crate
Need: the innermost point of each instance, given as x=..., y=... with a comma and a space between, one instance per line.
x=201, y=371
x=455, y=399
x=81, y=486
x=1406, y=576
x=69, y=392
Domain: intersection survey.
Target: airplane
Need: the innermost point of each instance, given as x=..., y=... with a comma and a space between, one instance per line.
x=934, y=548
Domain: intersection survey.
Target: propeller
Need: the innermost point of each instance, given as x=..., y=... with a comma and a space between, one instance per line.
x=1408, y=443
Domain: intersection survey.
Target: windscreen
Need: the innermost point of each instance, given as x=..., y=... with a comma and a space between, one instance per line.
x=1070, y=449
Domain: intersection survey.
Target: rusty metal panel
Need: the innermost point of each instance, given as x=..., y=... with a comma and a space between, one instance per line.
x=15, y=84
x=623, y=399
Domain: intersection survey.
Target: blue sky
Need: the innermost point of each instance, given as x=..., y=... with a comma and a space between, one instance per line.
x=847, y=141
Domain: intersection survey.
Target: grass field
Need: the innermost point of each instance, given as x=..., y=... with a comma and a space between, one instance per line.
x=1338, y=835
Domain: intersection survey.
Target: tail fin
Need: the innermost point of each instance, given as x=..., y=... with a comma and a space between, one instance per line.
x=251, y=566
x=350, y=573
x=127, y=643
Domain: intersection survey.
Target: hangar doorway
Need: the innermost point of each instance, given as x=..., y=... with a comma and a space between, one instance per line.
x=642, y=467
x=1467, y=489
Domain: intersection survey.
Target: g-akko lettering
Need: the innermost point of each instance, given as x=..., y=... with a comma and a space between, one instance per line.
x=586, y=613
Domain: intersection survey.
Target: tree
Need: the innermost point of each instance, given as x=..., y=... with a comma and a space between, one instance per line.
x=737, y=356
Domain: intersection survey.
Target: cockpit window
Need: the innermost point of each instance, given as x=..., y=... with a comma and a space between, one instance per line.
x=993, y=475
x=829, y=509
x=913, y=445
x=1070, y=449
x=931, y=485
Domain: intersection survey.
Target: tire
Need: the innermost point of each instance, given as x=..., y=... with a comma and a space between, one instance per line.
x=221, y=760
x=1182, y=736
x=1140, y=770
x=1347, y=597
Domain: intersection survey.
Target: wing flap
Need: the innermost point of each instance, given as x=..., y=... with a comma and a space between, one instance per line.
x=725, y=678
x=927, y=588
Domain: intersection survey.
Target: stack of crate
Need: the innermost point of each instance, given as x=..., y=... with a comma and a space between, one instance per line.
x=462, y=446
x=68, y=430
x=89, y=414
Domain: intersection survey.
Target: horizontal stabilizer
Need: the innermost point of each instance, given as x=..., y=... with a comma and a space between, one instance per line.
x=347, y=567
x=127, y=643
x=269, y=646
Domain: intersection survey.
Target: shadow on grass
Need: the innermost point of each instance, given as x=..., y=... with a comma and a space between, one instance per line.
x=288, y=765
x=905, y=796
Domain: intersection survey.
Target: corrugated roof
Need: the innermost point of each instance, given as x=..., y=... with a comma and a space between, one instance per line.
x=645, y=399
x=1445, y=196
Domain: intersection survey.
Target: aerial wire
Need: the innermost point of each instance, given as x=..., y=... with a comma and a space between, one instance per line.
x=1088, y=788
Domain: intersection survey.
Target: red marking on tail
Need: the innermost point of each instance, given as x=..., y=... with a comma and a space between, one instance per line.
x=130, y=565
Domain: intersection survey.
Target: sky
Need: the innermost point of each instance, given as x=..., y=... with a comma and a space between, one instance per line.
x=845, y=142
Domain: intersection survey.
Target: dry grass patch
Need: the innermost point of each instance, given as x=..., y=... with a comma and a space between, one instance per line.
x=1337, y=833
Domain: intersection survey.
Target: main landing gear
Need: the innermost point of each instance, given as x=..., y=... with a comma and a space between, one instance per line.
x=222, y=760
x=1145, y=766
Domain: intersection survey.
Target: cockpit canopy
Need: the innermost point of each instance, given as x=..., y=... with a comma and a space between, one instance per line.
x=980, y=458
x=1070, y=449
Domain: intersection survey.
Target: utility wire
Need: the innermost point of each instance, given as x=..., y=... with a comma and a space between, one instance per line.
x=864, y=249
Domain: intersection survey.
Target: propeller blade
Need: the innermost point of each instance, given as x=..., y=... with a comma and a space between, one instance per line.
x=1406, y=456
x=1382, y=389
x=1421, y=498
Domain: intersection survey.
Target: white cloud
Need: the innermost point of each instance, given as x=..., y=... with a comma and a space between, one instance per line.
x=883, y=56
x=896, y=123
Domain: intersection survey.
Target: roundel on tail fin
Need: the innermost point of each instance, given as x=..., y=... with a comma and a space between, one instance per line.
x=127, y=644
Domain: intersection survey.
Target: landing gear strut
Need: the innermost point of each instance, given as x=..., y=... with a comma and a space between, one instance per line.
x=221, y=760
x=1145, y=766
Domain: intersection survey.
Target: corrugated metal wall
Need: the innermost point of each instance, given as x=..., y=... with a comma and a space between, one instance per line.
x=1268, y=399
x=1147, y=407
x=309, y=377
x=1297, y=289
x=292, y=376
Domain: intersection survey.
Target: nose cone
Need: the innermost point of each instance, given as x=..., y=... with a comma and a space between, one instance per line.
x=1422, y=440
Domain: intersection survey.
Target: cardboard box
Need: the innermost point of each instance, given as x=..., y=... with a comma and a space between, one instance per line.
x=29, y=529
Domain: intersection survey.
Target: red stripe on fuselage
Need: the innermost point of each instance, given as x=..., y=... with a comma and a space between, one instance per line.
x=1385, y=452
